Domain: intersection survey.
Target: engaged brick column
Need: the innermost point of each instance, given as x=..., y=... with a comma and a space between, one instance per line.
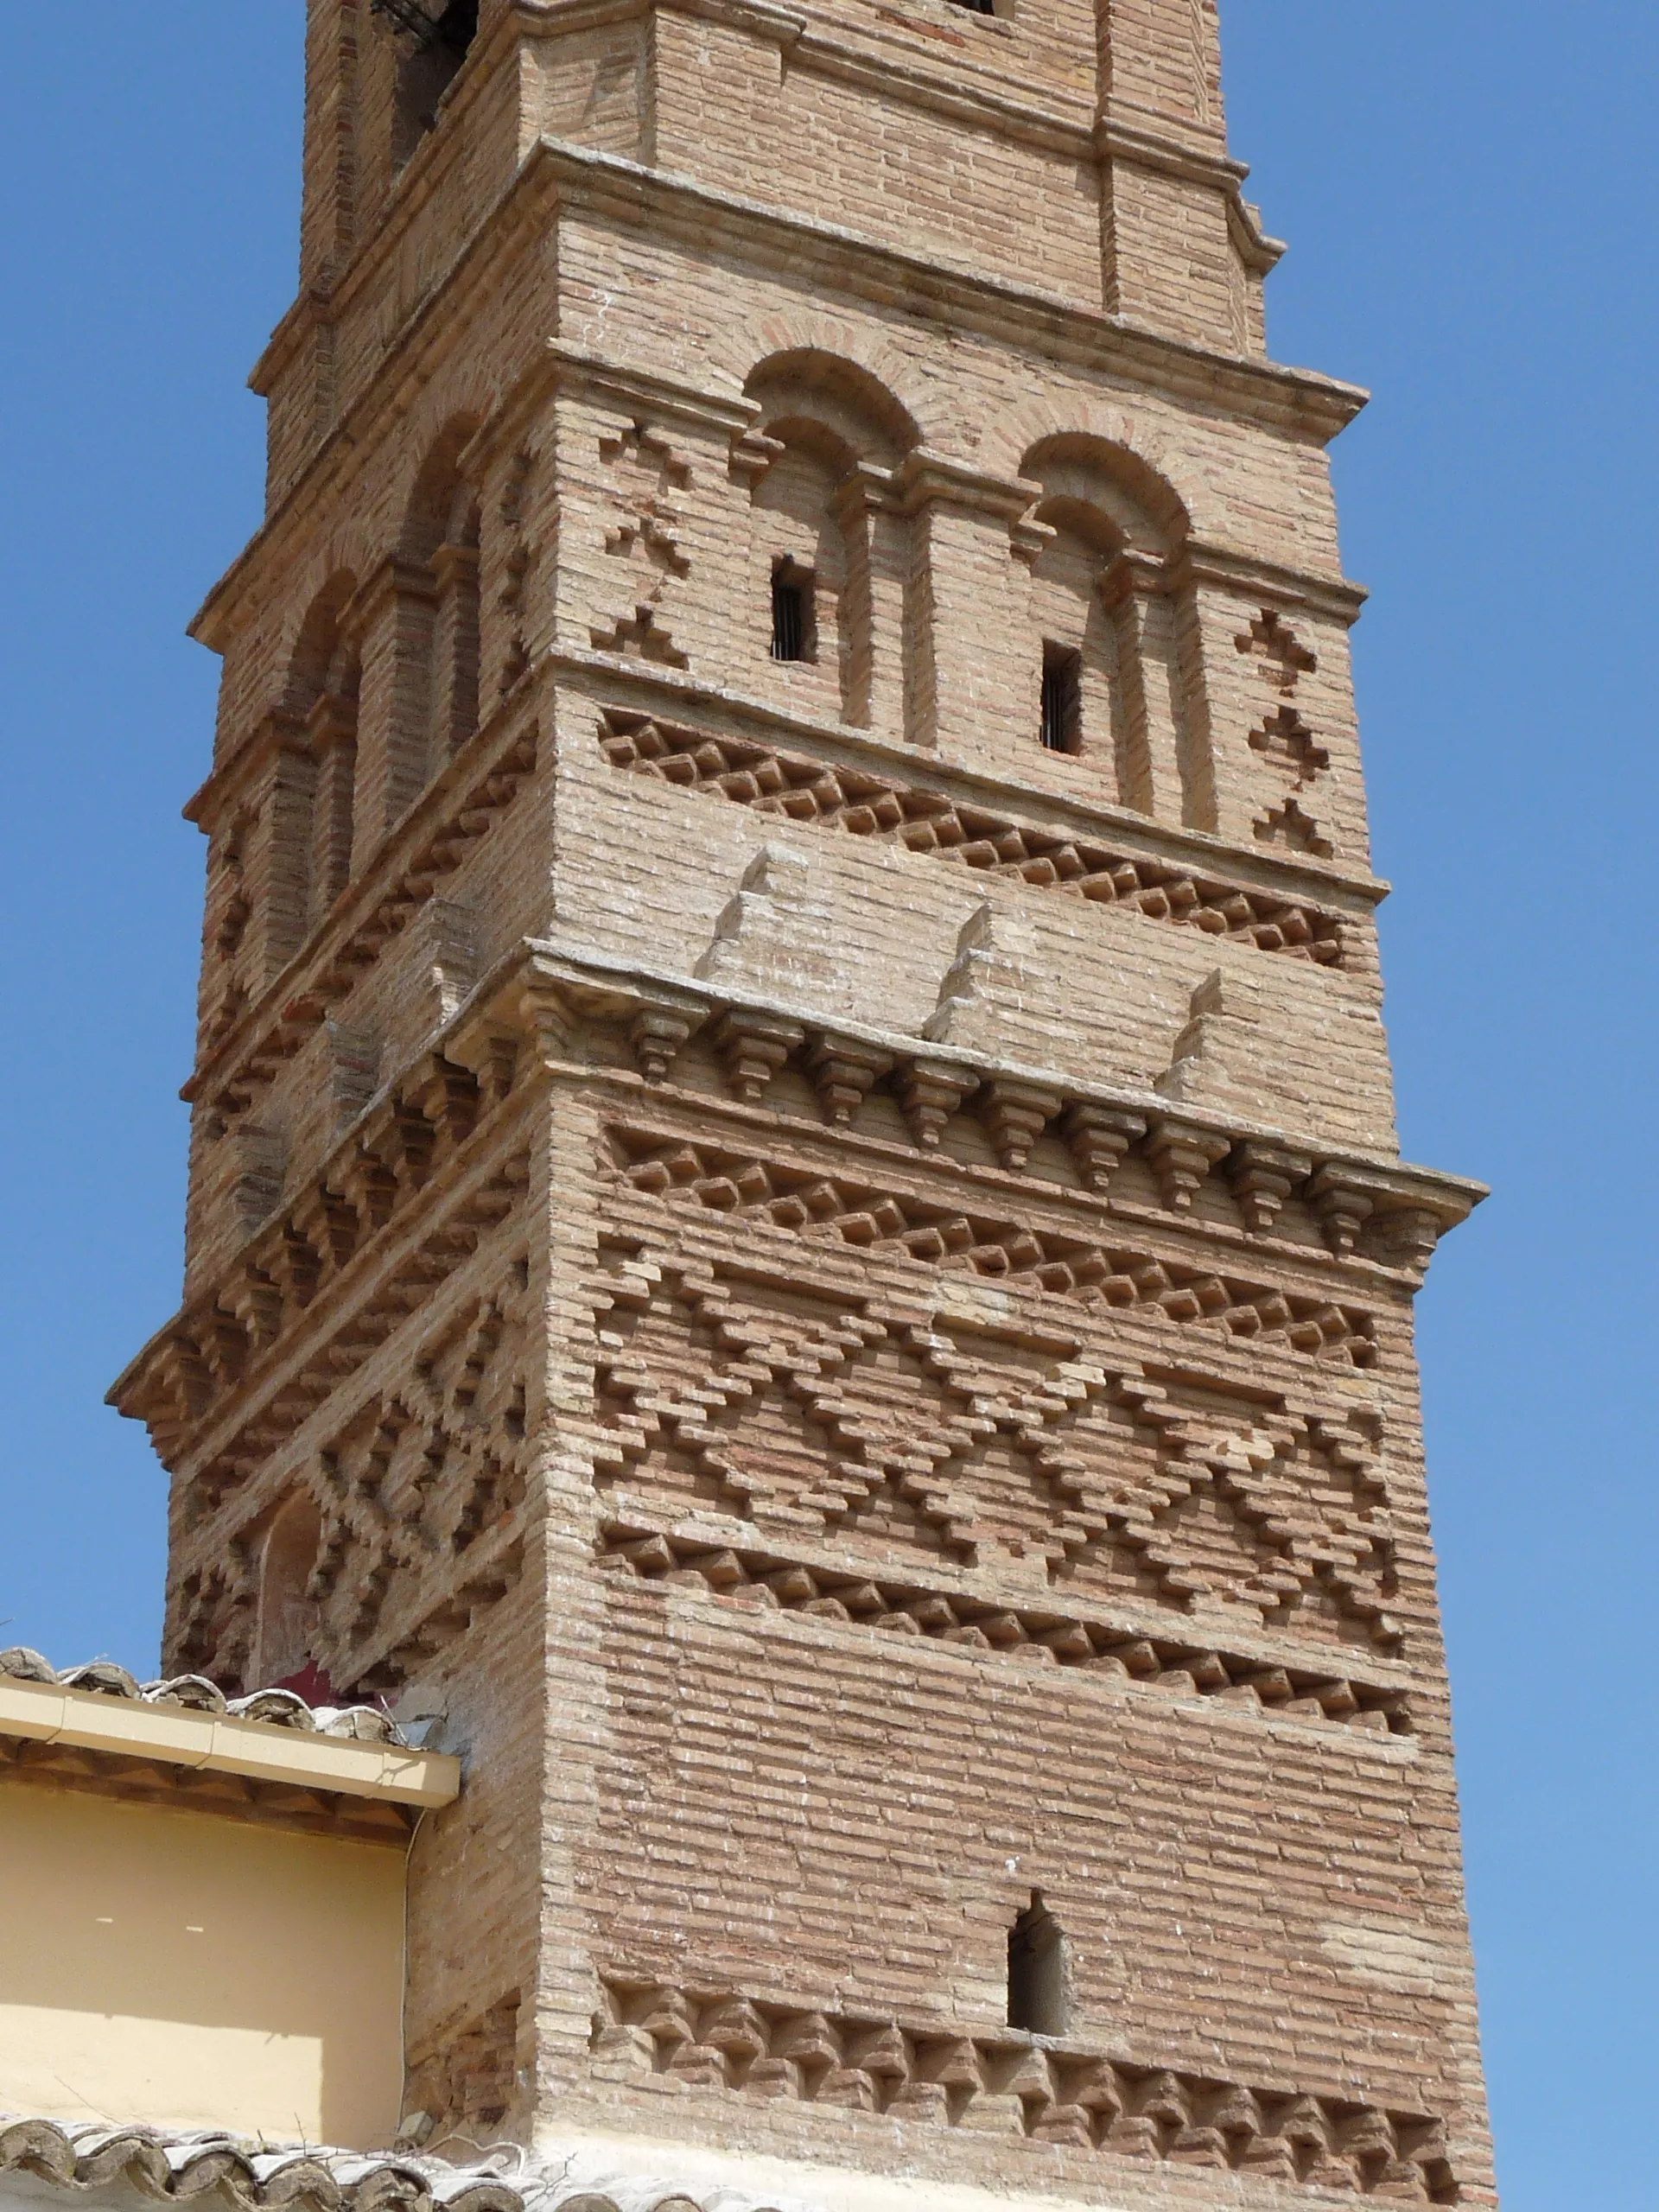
x=971, y=688
x=393, y=615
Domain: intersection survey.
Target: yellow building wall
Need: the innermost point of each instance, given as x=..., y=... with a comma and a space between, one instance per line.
x=197, y=1971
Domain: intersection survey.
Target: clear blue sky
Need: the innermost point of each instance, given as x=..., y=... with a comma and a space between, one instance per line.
x=1470, y=193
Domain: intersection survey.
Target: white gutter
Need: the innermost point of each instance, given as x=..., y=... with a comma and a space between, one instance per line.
x=217, y=1743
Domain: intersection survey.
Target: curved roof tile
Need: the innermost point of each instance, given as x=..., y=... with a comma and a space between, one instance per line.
x=174, y=2167
x=365, y=1724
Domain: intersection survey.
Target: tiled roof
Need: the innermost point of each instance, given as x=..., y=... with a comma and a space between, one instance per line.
x=364, y=1724
x=83, y=2156
x=256, y=2177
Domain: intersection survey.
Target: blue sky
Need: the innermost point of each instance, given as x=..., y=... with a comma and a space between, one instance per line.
x=1469, y=191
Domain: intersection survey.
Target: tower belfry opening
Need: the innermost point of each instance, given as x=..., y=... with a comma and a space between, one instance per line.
x=793, y=1176
x=434, y=41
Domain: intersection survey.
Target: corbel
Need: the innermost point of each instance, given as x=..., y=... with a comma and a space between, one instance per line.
x=864, y=491
x=1343, y=1200
x=844, y=1071
x=1134, y=575
x=487, y=1046
x=1263, y=1175
x=930, y=1091
x=1099, y=1137
x=752, y=1046
x=1029, y=540
x=332, y=721
x=546, y=1015
x=394, y=579
x=452, y=562
x=924, y=479
x=660, y=1028
x=1181, y=1155
x=1015, y=1114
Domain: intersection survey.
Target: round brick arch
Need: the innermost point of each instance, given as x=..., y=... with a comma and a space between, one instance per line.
x=741, y=352
x=1128, y=444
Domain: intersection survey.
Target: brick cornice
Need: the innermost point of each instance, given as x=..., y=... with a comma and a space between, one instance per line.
x=588, y=984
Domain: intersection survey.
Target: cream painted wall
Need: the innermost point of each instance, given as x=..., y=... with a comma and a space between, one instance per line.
x=197, y=1971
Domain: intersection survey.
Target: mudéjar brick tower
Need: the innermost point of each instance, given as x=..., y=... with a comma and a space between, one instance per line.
x=795, y=1236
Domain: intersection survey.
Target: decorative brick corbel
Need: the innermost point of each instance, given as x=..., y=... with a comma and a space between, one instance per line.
x=930, y=1091
x=844, y=1071
x=1407, y=1235
x=1015, y=1116
x=548, y=1018
x=1263, y=1175
x=657, y=1034
x=1099, y=1137
x=1181, y=1156
x=1344, y=1202
x=752, y=1046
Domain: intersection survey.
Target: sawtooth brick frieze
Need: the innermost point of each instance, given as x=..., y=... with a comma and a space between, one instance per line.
x=796, y=1242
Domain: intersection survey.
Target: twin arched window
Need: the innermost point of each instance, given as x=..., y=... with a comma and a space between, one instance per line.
x=1077, y=616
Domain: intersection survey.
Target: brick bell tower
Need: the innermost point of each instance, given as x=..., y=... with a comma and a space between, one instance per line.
x=795, y=1233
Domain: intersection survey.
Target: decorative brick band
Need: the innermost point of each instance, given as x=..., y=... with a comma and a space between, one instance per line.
x=1053, y=2094
x=442, y=846
x=864, y=805
x=224, y=1342
x=810, y=1204
x=1183, y=1669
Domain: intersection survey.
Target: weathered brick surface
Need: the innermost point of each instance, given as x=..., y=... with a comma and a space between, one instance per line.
x=828, y=1286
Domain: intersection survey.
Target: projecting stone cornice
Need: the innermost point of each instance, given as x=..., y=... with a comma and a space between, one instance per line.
x=555, y=174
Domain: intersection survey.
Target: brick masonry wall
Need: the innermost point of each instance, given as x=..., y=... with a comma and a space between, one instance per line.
x=826, y=1288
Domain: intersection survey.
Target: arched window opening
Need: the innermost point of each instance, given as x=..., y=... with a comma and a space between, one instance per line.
x=436, y=643
x=1073, y=638
x=794, y=629
x=831, y=543
x=1062, y=697
x=315, y=856
x=288, y=1630
x=1103, y=588
x=1039, y=2001
x=434, y=37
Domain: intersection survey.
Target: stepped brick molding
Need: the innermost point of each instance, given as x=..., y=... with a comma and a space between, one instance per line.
x=864, y=805
x=1053, y=2094
x=419, y=1139
x=970, y=1625
x=243, y=1053
x=937, y=1235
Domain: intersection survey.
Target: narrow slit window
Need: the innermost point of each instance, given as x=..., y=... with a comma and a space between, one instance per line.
x=791, y=612
x=1062, y=724
x=977, y=7
x=1036, y=1978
